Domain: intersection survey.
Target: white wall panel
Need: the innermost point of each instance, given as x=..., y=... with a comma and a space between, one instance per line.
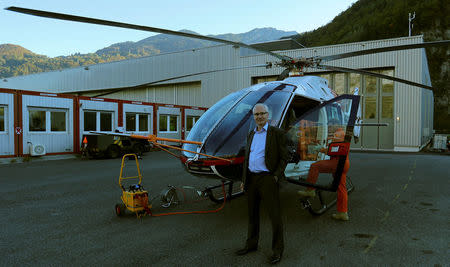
x=193, y=112
x=7, y=136
x=54, y=142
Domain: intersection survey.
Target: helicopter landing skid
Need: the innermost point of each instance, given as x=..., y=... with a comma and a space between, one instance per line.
x=216, y=195
x=318, y=205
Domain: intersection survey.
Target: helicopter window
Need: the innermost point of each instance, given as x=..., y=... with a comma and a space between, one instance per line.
x=209, y=119
x=298, y=107
x=312, y=135
x=334, y=112
x=229, y=137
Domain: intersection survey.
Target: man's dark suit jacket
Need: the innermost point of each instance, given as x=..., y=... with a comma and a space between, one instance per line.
x=276, y=154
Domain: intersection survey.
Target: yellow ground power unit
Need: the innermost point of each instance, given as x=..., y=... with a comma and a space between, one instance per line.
x=134, y=196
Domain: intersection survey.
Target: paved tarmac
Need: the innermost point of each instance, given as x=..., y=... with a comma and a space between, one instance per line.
x=61, y=212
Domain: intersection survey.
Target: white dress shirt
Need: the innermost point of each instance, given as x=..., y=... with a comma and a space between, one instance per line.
x=256, y=161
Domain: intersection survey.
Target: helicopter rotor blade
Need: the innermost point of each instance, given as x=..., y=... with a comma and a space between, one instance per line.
x=268, y=65
x=382, y=49
x=61, y=16
x=364, y=72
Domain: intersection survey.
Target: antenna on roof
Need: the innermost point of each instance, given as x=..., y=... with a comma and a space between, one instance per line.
x=410, y=18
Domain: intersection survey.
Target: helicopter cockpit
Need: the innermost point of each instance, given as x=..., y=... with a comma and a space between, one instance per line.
x=319, y=134
x=224, y=127
x=308, y=122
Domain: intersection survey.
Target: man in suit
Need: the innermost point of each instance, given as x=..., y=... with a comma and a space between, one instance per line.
x=265, y=160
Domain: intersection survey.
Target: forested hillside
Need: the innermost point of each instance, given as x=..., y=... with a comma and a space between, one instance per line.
x=16, y=60
x=381, y=19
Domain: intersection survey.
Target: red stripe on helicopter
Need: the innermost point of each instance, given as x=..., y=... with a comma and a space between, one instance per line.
x=214, y=162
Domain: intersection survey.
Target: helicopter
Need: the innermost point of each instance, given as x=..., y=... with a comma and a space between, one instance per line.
x=304, y=106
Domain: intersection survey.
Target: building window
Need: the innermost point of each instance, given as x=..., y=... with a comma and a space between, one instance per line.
x=2, y=119
x=190, y=121
x=98, y=121
x=387, y=85
x=47, y=120
x=37, y=121
x=355, y=82
x=137, y=122
x=168, y=123
x=90, y=121
x=143, y=122
x=58, y=121
x=130, y=122
x=327, y=77
x=105, y=121
x=370, y=108
x=339, y=83
x=371, y=84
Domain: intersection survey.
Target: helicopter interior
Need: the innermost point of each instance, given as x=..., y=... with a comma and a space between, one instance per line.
x=312, y=137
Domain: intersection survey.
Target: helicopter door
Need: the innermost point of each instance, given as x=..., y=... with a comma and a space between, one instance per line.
x=321, y=140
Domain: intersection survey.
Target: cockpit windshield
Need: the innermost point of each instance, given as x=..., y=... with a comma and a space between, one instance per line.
x=229, y=136
x=209, y=119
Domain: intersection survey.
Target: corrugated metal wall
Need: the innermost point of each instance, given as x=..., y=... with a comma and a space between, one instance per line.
x=409, y=65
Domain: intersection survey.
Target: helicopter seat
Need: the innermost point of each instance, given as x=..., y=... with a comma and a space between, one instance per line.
x=306, y=138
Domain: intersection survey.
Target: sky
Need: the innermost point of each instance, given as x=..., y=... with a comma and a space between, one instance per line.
x=62, y=38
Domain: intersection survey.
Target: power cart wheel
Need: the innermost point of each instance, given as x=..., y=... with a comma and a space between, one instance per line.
x=113, y=151
x=138, y=148
x=120, y=210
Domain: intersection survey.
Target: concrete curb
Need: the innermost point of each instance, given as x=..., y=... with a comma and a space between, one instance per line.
x=36, y=159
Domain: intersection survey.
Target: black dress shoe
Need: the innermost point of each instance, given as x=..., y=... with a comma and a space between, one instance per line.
x=275, y=258
x=245, y=250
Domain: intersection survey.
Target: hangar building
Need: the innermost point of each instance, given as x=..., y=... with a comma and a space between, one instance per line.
x=174, y=105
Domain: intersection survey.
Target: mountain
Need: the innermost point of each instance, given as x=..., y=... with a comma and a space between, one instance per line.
x=163, y=43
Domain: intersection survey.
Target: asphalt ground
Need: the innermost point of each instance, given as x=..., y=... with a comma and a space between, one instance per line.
x=61, y=212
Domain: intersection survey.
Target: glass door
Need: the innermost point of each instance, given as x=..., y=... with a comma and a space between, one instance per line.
x=378, y=107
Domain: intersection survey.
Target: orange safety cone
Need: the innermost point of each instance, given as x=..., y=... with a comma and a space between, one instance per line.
x=85, y=140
